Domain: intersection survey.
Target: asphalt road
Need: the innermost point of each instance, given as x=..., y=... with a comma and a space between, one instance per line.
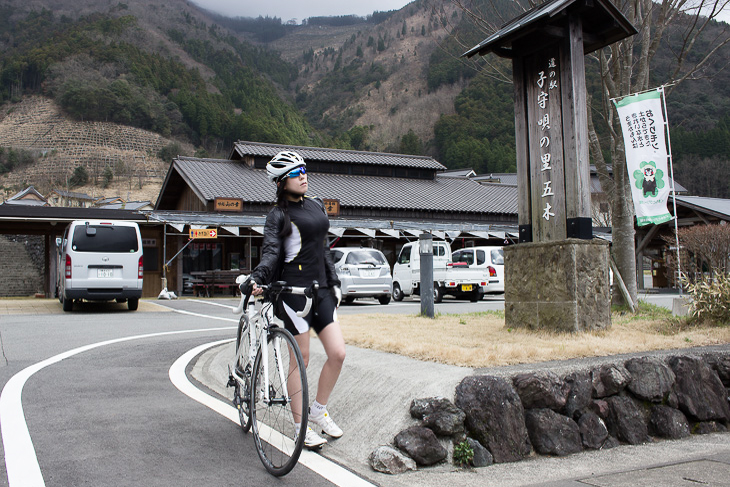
x=108, y=414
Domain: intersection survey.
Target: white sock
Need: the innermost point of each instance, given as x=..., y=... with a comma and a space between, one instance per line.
x=297, y=426
x=317, y=409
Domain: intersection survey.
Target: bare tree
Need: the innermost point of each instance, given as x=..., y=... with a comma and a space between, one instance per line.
x=705, y=252
x=625, y=68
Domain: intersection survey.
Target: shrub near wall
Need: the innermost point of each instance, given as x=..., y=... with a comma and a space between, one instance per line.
x=630, y=402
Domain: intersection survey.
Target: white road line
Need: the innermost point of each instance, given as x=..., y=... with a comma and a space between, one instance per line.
x=213, y=303
x=21, y=462
x=315, y=462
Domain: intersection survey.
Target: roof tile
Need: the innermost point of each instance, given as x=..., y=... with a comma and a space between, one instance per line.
x=233, y=179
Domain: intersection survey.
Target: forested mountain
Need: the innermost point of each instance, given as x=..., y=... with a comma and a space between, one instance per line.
x=391, y=81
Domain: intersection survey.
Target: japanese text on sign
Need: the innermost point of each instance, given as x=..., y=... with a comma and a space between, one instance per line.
x=642, y=129
x=203, y=233
x=546, y=80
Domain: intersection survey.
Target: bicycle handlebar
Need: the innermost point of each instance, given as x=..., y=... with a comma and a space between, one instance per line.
x=245, y=284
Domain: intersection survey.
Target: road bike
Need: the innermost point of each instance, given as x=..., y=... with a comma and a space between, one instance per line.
x=269, y=378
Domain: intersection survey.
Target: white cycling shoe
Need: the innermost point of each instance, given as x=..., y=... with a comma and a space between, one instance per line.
x=312, y=439
x=327, y=424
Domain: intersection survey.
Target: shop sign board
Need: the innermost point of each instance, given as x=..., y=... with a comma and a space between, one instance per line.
x=332, y=206
x=197, y=233
x=229, y=204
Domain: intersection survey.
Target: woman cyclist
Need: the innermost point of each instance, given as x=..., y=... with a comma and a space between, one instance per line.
x=295, y=250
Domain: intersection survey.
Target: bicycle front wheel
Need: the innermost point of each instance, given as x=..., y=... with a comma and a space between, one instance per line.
x=279, y=404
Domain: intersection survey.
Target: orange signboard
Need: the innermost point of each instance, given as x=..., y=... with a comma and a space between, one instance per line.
x=203, y=233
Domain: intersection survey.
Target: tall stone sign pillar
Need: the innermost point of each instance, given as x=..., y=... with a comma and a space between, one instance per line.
x=557, y=277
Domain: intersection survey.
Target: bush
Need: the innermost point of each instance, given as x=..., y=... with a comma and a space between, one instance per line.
x=106, y=177
x=79, y=178
x=710, y=299
x=463, y=454
x=170, y=151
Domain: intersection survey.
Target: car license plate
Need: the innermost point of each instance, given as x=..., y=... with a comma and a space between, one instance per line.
x=466, y=287
x=369, y=273
x=103, y=273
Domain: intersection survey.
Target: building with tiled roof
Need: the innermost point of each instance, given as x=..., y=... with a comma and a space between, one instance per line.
x=341, y=161
x=375, y=199
x=29, y=197
x=201, y=181
x=60, y=197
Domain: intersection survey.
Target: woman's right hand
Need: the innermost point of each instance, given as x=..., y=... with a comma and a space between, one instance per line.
x=255, y=289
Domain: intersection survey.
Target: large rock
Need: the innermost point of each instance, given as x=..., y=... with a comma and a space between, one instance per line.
x=421, y=444
x=387, y=459
x=439, y=414
x=445, y=423
x=580, y=390
x=721, y=364
x=541, y=390
x=552, y=433
x=600, y=407
x=651, y=379
x=700, y=393
x=609, y=380
x=420, y=408
x=593, y=431
x=667, y=422
x=495, y=416
x=626, y=421
x=482, y=457
x=708, y=427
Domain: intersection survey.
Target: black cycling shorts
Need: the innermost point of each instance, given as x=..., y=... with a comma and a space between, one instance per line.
x=317, y=319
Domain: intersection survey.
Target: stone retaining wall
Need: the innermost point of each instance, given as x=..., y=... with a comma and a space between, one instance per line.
x=506, y=419
x=23, y=262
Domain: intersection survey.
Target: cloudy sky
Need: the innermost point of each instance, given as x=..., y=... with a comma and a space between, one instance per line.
x=298, y=9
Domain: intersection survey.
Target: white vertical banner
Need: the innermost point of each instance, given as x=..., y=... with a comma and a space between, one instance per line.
x=643, y=126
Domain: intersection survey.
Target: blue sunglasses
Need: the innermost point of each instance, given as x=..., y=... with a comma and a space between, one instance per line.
x=297, y=172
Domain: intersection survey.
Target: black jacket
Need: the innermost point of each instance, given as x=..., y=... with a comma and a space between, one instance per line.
x=270, y=266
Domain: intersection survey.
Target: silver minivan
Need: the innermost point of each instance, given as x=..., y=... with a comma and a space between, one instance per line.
x=100, y=261
x=364, y=273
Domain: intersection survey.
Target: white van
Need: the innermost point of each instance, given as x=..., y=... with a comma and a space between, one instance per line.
x=486, y=264
x=99, y=261
x=407, y=268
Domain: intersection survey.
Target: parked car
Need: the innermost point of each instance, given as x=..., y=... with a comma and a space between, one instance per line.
x=487, y=263
x=364, y=273
x=100, y=261
x=447, y=279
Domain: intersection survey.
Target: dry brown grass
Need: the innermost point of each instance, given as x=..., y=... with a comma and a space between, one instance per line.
x=481, y=339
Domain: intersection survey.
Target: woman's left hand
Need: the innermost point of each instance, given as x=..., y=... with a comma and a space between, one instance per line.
x=337, y=293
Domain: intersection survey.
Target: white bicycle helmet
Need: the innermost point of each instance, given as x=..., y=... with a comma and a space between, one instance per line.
x=282, y=164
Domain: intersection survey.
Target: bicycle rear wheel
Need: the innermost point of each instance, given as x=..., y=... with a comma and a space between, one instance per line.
x=278, y=442
x=242, y=391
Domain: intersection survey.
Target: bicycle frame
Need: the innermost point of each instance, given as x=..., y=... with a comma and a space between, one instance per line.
x=260, y=318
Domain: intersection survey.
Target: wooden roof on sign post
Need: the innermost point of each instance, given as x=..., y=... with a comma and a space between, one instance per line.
x=603, y=24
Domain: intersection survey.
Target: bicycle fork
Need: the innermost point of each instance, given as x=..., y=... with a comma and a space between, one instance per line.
x=284, y=398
